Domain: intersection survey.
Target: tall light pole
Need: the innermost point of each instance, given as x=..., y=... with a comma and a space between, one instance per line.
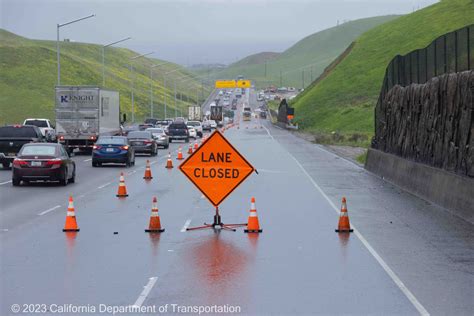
x=151, y=86
x=103, y=57
x=164, y=85
x=58, y=26
x=132, y=78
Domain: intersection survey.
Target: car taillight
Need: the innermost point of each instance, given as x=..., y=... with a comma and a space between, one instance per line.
x=53, y=162
x=148, y=142
x=19, y=162
x=61, y=137
x=96, y=147
x=92, y=137
x=124, y=147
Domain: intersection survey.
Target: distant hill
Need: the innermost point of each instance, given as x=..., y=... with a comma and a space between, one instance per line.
x=313, y=53
x=28, y=77
x=344, y=99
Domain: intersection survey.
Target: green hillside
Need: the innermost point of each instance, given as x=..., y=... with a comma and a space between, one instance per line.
x=313, y=53
x=29, y=74
x=344, y=99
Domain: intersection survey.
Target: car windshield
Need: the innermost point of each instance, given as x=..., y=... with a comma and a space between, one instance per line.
x=39, y=123
x=112, y=141
x=35, y=150
x=177, y=126
x=155, y=130
x=143, y=134
x=20, y=131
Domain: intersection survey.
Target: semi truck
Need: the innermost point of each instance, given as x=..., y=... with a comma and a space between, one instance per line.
x=194, y=113
x=83, y=113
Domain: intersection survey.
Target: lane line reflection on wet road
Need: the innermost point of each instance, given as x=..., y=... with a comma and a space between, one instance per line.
x=145, y=292
x=186, y=225
x=49, y=210
x=104, y=185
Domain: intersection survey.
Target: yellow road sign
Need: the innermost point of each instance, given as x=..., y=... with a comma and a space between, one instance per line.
x=243, y=84
x=224, y=84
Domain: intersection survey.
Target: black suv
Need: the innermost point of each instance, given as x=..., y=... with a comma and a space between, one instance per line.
x=13, y=137
x=178, y=131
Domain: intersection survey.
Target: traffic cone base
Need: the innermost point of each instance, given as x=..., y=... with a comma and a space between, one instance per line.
x=253, y=231
x=154, y=230
x=344, y=230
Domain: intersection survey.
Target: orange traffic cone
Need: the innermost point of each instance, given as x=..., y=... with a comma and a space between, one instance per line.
x=71, y=224
x=180, y=154
x=169, y=162
x=252, y=225
x=147, y=175
x=155, y=223
x=196, y=145
x=122, y=189
x=190, y=150
x=344, y=226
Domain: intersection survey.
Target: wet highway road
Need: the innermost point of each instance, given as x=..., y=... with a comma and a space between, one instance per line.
x=298, y=265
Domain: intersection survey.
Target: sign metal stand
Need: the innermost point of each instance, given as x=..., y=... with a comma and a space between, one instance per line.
x=218, y=223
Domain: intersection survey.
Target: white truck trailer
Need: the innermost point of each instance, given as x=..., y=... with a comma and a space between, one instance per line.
x=83, y=113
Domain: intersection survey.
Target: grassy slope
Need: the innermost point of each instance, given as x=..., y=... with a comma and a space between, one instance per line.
x=318, y=49
x=29, y=72
x=345, y=99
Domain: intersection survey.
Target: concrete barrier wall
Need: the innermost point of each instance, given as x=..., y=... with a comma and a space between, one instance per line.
x=454, y=192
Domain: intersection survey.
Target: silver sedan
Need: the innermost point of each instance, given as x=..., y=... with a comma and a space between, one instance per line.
x=160, y=136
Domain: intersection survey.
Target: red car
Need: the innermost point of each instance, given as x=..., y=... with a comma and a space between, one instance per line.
x=44, y=162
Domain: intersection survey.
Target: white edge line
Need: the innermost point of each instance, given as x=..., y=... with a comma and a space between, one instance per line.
x=104, y=185
x=186, y=225
x=420, y=308
x=5, y=182
x=49, y=210
x=146, y=290
x=87, y=159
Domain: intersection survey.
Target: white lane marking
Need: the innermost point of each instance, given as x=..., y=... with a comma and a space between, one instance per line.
x=49, y=210
x=5, y=182
x=420, y=308
x=269, y=171
x=104, y=185
x=4, y=229
x=146, y=290
x=153, y=162
x=132, y=172
x=87, y=159
x=186, y=225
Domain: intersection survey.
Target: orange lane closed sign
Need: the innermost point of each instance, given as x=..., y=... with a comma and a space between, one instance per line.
x=216, y=168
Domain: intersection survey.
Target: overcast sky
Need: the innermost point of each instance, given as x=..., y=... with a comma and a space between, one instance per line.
x=192, y=31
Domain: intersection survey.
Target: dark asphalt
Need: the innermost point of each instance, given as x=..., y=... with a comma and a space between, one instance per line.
x=298, y=265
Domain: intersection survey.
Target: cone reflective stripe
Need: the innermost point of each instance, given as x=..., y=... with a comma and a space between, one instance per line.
x=155, y=223
x=122, y=189
x=190, y=150
x=147, y=175
x=196, y=145
x=71, y=223
x=253, y=226
x=180, y=154
x=344, y=225
x=169, y=162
